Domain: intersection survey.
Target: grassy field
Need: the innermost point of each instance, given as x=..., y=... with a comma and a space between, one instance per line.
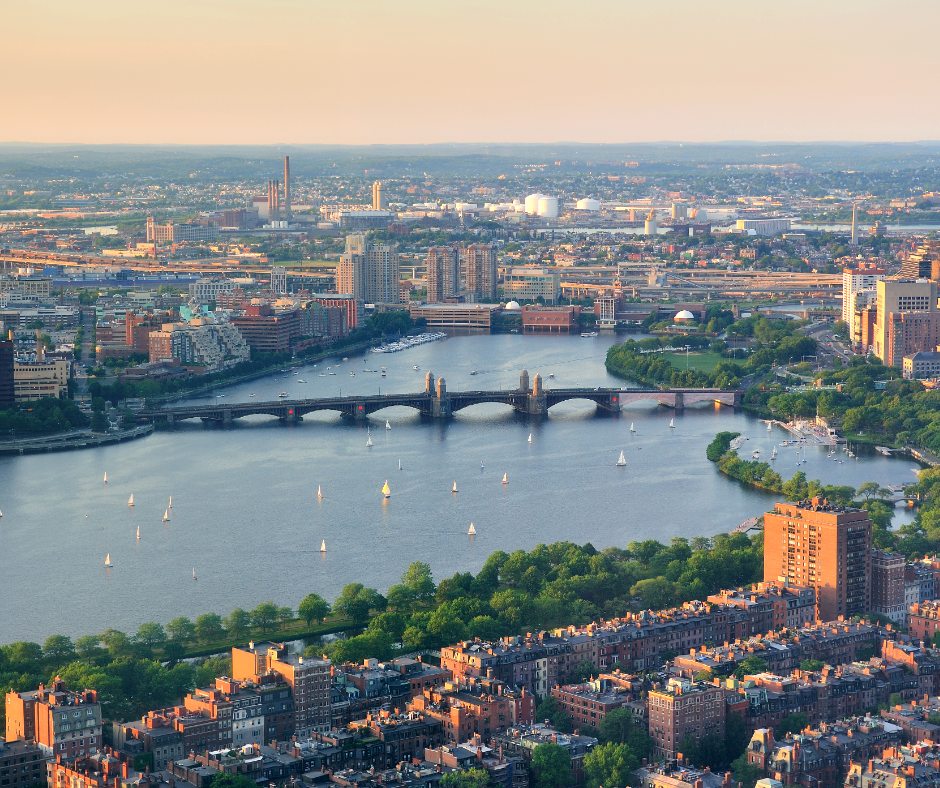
x=705, y=361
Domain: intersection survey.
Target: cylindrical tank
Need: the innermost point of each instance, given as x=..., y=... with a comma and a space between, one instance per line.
x=532, y=203
x=589, y=204
x=548, y=207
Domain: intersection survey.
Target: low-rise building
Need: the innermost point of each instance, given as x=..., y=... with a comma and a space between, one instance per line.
x=684, y=708
x=922, y=365
x=521, y=741
x=590, y=702
x=403, y=736
x=34, y=380
x=22, y=764
x=677, y=773
x=914, y=766
x=60, y=721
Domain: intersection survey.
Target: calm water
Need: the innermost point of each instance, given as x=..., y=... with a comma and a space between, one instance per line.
x=246, y=516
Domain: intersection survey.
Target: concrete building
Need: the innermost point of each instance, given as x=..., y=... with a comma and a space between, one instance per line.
x=763, y=226
x=684, y=708
x=209, y=289
x=370, y=272
x=378, y=196
x=308, y=679
x=482, y=271
x=61, y=722
x=887, y=585
x=200, y=343
x=29, y=286
x=7, y=384
x=279, y=280
x=531, y=284
x=922, y=365
x=455, y=315
x=815, y=544
x=907, y=321
x=175, y=233
x=856, y=281
x=443, y=268
x=34, y=380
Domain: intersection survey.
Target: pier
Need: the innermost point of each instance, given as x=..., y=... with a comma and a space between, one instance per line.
x=438, y=403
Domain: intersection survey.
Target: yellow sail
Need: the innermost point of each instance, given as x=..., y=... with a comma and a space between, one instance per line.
x=386, y=489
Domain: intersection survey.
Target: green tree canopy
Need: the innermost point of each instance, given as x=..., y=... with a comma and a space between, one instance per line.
x=264, y=616
x=467, y=778
x=552, y=765
x=209, y=627
x=313, y=607
x=181, y=629
x=238, y=622
x=610, y=765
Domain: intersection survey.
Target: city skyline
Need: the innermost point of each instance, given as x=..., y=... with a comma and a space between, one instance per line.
x=607, y=72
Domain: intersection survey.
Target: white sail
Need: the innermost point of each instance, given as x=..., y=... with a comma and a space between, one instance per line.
x=323, y=546
x=105, y=477
x=454, y=488
x=387, y=425
x=194, y=573
x=130, y=501
x=166, y=516
x=672, y=424
x=368, y=437
x=319, y=492
x=505, y=480
x=171, y=501
x=399, y=464
x=107, y=560
x=769, y=427
x=530, y=437
x=472, y=530
x=621, y=460
x=138, y=533
x=631, y=427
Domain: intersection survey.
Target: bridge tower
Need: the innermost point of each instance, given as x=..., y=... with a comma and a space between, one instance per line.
x=429, y=383
x=440, y=405
x=524, y=380
x=538, y=402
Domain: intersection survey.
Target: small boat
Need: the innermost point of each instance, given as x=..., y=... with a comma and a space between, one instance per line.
x=171, y=502
x=472, y=530
x=530, y=437
x=399, y=465
x=105, y=477
x=319, y=492
x=621, y=460
x=301, y=380
x=332, y=373
x=505, y=480
x=672, y=424
x=551, y=375
x=631, y=427
x=454, y=488
x=773, y=454
x=130, y=501
x=138, y=533
x=252, y=395
x=769, y=426
x=282, y=394
x=481, y=465
x=387, y=425
x=194, y=573
x=323, y=546
x=166, y=516
x=352, y=374
x=386, y=490
x=107, y=561
x=474, y=372
x=383, y=375
x=368, y=438
x=345, y=359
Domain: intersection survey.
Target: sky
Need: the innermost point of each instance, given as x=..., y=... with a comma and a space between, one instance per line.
x=413, y=71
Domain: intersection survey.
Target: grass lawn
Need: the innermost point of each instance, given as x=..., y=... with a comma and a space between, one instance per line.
x=704, y=361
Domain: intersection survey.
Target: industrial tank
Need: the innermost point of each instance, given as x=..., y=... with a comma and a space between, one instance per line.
x=548, y=207
x=589, y=204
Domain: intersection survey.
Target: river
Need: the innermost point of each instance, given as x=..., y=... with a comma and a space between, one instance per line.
x=246, y=517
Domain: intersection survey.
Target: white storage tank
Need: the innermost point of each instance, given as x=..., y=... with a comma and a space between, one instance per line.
x=532, y=203
x=589, y=204
x=548, y=207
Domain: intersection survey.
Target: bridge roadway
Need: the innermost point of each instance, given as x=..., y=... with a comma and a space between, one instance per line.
x=437, y=402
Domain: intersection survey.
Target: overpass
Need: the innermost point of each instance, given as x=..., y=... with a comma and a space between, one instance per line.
x=439, y=403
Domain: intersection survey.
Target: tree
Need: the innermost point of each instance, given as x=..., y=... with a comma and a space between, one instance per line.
x=264, y=616
x=225, y=780
x=792, y=723
x=469, y=778
x=356, y=601
x=313, y=607
x=150, y=634
x=181, y=629
x=812, y=665
x=285, y=615
x=391, y=623
x=655, y=593
x=238, y=622
x=419, y=581
x=552, y=765
x=549, y=710
x=209, y=627
x=88, y=646
x=745, y=773
x=617, y=728
x=58, y=648
x=585, y=670
x=610, y=765
x=750, y=667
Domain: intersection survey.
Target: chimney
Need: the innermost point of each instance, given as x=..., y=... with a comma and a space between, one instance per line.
x=124, y=770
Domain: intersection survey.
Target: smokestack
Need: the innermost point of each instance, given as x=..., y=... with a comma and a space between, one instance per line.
x=287, y=188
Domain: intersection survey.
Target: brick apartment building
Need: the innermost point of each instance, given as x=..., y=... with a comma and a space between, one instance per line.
x=590, y=702
x=684, y=708
x=826, y=547
x=22, y=764
x=61, y=722
x=404, y=736
x=888, y=585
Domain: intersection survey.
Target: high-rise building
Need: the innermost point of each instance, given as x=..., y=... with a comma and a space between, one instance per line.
x=370, y=272
x=684, y=708
x=887, y=585
x=854, y=282
x=922, y=263
x=287, y=213
x=443, y=273
x=279, y=280
x=826, y=547
x=854, y=238
x=481, y=271
x=378, y=196
x=7, y=395
x=908, y=320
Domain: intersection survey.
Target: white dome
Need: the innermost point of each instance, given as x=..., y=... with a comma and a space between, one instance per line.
x=548, y=207
x=532, y=203
x=589, y=204
x=513, y=306
x=685, y=314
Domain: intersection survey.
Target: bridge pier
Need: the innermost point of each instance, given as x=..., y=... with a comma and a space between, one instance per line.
x=227, y=417
x=680, y=401
x=441, y=408
x=359, y=412
x=170, y=419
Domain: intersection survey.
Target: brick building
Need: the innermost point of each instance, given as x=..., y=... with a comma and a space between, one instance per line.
x=684, y=708
x=404, y=736
x=888, y=584
x=61, y=722
x=22, y=765
x=589, y=703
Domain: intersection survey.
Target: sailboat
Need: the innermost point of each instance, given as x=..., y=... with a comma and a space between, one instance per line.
x=631, y=427
x=130, y=501
x=505, y=480
x=773, y=454
x=472, y=530
x=387, y=425
x=107, y=561
x=323, y=546
x=194, y=573
x=530, y=437
x=171, y=501
x=368, y=438
x=454, y=488
x=319, y=492
x=621, y=460
x=672, y=424
x=166, y=516
x=399, y=464
x=386, y=490
x=105, y=477
x=769, y=426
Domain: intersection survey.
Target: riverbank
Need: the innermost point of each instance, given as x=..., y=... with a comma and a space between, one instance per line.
x=77, y=439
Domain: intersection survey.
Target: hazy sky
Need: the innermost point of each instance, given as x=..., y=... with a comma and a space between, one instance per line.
x=393, y=71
